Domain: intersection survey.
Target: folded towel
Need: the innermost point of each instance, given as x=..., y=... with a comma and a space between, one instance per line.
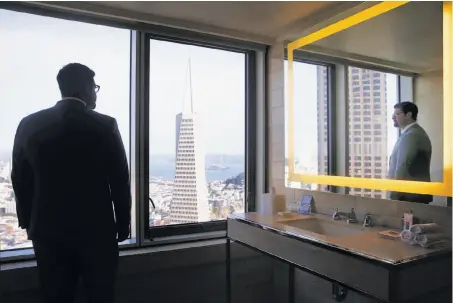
x=408, y=237
x=429, y=228
x=426, y=240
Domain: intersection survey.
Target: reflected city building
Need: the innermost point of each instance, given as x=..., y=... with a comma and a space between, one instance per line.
x=385, y=106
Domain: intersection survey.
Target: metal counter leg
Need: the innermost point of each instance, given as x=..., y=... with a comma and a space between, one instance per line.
x=291, y=293
x=228, y=271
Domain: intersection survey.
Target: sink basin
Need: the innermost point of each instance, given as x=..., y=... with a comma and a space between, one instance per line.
x=325, y=228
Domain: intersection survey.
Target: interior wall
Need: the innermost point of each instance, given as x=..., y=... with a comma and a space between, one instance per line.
x=276, y=127
x=428, y=95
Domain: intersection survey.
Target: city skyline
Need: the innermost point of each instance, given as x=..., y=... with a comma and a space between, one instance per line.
x=38, y=47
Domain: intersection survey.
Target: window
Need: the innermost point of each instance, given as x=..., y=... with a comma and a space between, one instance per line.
x=38, y=47
x=187, y=117
x=380, y=142
x=311, y=144
x=196, y=134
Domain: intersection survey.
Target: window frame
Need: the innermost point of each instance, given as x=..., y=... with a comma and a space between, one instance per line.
x=339, y=103
x=404, y=90
x=141, y=33
x=157, y=235
x=331, y=109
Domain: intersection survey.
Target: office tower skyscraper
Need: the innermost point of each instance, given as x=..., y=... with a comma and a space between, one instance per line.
x=189, y=201
x=323, y=118
x=367, y=127
x=367, y=108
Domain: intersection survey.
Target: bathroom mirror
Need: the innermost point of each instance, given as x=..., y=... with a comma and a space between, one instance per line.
x=369, y=104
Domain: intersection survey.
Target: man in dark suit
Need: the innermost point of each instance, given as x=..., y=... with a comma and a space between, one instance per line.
x=71, y=180
x=411, y=156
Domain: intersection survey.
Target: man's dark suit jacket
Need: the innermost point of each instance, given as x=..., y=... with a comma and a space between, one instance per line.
x=70, y=174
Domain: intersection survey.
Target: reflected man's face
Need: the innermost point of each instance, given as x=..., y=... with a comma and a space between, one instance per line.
x=400, y=119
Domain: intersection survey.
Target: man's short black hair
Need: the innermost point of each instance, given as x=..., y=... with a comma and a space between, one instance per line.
x=408, y=107
x=72, y=77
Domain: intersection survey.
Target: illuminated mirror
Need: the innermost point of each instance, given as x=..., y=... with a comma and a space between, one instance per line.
x=374, y=117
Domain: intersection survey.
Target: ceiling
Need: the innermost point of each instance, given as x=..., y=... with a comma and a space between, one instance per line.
x=267, y=19
x=257, y=21
x=409, y=37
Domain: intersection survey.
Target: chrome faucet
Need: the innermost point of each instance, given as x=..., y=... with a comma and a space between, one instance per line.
x=336, y=214
x=367, y=222
x=351, y=216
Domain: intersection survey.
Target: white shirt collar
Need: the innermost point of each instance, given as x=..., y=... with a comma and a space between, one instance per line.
x=407, y=127
x=73, y=98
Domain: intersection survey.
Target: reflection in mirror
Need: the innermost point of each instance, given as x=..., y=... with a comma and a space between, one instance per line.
x=311, y=120
x=393, y=103
x=372, y=136
x=385, y=139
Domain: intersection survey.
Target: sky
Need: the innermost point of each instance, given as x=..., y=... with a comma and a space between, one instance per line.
x=35, y=48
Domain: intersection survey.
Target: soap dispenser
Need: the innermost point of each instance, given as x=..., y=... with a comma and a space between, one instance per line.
x=407, y=220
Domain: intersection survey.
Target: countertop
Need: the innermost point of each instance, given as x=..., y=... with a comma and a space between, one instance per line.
x=366, y=244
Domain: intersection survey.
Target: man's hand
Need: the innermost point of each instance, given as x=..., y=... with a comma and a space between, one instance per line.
x=123, y=234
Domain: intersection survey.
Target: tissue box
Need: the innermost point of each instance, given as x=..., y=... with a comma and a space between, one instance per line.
x=272, y=204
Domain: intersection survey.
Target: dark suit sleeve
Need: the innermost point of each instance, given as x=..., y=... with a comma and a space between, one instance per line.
x=22, y=179
x=118, y=174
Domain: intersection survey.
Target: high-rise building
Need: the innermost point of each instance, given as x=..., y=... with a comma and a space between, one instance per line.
x=190, y=197
x=322, y=95
x=367, y=126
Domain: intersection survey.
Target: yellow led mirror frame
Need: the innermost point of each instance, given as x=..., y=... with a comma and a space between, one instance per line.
x=434, y=188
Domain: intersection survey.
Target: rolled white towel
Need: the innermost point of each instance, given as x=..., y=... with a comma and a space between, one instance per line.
x=426, y=240
x=425, y=228
x=408, y=237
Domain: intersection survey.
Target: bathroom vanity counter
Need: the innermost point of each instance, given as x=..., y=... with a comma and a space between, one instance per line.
x=366, y=242
x=350, y=256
